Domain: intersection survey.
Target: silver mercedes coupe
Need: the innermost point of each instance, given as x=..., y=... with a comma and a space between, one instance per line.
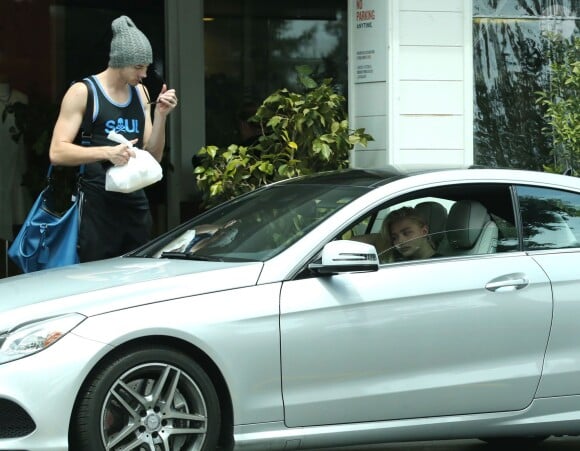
x=298, y=316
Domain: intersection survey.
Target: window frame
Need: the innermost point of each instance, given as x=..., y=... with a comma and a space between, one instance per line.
x=499, y=205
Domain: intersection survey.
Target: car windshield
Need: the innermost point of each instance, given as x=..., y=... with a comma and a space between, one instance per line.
x=254, y=227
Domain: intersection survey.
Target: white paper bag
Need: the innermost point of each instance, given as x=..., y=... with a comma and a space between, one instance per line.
x=141, y=171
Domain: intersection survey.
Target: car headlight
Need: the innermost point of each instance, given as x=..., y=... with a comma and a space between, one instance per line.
x=32, y=337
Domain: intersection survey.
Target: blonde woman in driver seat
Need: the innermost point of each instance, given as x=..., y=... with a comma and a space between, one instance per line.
x=409, y=234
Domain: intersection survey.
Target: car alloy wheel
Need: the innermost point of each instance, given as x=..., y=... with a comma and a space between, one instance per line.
x=149, y=400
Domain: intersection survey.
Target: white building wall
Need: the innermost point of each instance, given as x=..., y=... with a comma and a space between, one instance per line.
x=418, y=102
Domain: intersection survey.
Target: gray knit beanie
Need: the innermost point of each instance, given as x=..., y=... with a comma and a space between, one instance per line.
x=129, y=47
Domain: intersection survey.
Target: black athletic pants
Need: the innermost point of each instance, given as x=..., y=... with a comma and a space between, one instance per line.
x=109, y=229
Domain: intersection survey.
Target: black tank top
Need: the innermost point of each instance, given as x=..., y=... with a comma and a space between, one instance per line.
x=127, y=119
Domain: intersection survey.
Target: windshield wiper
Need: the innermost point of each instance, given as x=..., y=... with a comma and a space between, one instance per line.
x=188, y=256
x=204, y=258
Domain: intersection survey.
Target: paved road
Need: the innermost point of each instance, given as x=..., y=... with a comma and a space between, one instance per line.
x=552, y=444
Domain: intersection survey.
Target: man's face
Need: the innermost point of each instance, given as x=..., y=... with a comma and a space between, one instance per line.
x=135, y=74
x=408, y=237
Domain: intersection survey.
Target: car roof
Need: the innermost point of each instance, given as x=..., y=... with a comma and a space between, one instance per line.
x=348, y=177
x=373, y=178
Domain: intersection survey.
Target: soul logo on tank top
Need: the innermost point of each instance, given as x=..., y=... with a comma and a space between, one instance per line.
x=122, y=125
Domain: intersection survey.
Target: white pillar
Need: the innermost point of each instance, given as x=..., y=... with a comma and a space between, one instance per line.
x=185, y=62
x=411, y=81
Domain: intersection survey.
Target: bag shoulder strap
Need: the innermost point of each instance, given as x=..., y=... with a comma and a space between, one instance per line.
x=86, y=130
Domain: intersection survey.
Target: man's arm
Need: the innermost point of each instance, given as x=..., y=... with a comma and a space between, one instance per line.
x=63, y=151
x=154, y=135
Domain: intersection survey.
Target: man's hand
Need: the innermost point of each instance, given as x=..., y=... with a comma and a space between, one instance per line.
x=166, y=101
x=119, y=155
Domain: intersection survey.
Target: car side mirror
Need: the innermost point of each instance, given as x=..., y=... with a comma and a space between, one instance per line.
x=342, y=256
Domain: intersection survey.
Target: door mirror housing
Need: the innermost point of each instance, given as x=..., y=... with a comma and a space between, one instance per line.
x=341, y=256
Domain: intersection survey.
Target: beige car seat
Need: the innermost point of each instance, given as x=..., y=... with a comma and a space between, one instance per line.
x=469, y=230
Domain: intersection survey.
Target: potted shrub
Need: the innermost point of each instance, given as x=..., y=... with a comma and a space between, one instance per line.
x=300, y=133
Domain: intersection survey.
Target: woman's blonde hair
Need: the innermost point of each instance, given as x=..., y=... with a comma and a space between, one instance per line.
x=403, y=213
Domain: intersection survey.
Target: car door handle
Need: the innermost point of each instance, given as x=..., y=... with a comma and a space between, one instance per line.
x=507, y=285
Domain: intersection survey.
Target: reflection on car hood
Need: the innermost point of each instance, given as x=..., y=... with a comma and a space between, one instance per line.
x=97, y=287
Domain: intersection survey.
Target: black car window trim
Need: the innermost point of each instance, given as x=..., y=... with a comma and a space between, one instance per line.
x=518, y=216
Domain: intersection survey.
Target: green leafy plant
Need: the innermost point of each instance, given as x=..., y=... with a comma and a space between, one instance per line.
x=301, y=133
x=562, y=104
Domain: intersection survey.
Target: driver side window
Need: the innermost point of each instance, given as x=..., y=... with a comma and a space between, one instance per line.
x=410, y=230
x=461, y=220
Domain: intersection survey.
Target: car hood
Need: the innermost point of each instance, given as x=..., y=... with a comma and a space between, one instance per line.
x=98, y=287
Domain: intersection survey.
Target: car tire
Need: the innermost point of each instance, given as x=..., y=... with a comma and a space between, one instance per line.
x=157, y=397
